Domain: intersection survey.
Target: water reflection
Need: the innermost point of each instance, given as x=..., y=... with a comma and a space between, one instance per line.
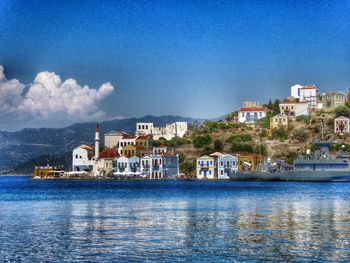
x=158, y=225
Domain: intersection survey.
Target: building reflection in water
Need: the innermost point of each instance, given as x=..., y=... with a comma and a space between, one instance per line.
x=163, y=228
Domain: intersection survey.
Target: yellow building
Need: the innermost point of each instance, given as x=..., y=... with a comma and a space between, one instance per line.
x=134, y=150
x=143, y=140
x=250, y=159
x=278, y=121
x=48, y=171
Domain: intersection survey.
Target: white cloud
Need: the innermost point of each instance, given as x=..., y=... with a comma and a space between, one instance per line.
x=48, y=98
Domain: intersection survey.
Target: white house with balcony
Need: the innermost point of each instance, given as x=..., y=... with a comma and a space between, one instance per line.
x=205, y=167
x=227, y=166
x=250, y=115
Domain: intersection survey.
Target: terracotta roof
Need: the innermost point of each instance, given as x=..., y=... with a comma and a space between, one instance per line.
x=143, y=137
x=109, y=153
x=127, y=136
x=258, y=108
x=86, y=147
x=300, y=102
x=160, y=146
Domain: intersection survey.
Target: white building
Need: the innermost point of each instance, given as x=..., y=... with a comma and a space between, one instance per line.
x=294, y=109
x=308, y=93
x=112, y=138
x=227, y=165
x=159, y=149
x=250, y=115
x=341, y=124
x=168, y=132
x=82, y=158
x=205, y=167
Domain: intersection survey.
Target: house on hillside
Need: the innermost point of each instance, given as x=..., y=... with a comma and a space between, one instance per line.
x=279, y=121
x=331, y=100
x=294, y=109
x=341, y=124
x=307, y=93
x=250, y=115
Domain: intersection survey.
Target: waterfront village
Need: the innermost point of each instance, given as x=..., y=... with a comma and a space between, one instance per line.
x=215, y=149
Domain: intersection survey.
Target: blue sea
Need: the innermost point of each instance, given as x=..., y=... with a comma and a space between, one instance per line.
x=173, y=221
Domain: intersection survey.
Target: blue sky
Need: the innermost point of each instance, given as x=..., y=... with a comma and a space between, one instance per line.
x=189, y=58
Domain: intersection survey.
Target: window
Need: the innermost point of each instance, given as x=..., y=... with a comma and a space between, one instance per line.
x=209, y=171
x=222, y=172
x=222, y=163
x=76, y=156
x=199, y=162
x=242, y=114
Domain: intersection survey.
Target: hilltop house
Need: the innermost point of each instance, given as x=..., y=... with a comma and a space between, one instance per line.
x=294, y=109
x=168, y=132
x=307, y=93
x=341, y=124
x=251, y=114
x=331, y=100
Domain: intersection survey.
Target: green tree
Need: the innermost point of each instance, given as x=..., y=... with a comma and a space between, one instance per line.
x=218, y=145
x=261, y=149
x=342, y=111
x=201, y=141
x=276, y=107
x=188, y=167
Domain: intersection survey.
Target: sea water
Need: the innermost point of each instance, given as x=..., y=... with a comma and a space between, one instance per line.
x=173, y=221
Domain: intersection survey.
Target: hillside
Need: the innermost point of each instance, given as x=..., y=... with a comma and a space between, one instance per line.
x=21, y=146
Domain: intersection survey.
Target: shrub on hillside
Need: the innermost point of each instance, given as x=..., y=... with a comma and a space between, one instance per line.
x=303, y=118
x=240, y=138
x=300, y=135
x=261, y=149
x=241, y=147
x=279, y=133
x=201, y=141
x=218, y=146
x=342, y=111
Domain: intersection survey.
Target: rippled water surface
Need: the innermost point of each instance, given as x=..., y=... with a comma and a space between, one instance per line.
x=166, y=221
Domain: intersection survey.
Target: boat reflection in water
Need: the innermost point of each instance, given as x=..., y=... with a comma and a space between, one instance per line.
x=199, y=221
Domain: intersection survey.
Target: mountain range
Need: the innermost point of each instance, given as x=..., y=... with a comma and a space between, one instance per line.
x=26, y=145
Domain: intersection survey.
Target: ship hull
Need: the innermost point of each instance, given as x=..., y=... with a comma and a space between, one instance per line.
x=293, y=175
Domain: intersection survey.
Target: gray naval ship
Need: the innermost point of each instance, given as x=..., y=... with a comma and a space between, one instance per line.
x=322, y=166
